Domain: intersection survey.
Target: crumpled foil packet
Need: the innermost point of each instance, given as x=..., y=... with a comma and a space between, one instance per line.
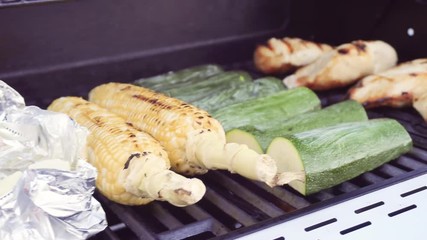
x=46, y=186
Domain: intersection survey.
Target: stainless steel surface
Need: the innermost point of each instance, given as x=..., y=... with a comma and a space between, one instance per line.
x=395, y=212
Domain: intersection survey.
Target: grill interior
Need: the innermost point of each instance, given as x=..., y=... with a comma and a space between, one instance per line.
x=51, y=55
x=233, y=203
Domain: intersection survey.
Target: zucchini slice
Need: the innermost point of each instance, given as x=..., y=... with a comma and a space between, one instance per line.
x=245, y=91
x=331, y=155
x=262, y=113
x=347, y=111
x=184, y=76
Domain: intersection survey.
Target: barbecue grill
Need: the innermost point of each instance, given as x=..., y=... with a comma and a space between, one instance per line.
x=63, y=48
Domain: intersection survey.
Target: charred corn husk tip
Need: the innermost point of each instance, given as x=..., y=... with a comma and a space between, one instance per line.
x=133, y=168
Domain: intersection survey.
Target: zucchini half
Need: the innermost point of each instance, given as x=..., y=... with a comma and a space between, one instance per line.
x=331, y=155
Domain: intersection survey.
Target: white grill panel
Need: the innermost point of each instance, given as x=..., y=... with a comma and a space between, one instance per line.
x=395, y=212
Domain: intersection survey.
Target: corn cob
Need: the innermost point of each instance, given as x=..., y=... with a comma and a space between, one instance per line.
x=133, y=168
x=195, y=141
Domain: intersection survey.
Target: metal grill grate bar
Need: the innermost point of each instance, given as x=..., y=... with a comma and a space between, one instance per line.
x=231, y=209
x=244, y=197
x=187, y=231
x=132, y=220
x=284, y=196
x=165, y=217
x=388, y=170
x=217, y=228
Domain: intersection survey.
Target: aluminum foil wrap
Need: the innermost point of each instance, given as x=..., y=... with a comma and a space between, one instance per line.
x=46, y=186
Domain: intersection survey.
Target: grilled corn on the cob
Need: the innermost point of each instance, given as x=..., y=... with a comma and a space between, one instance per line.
x=195, y=142
x=133, y=168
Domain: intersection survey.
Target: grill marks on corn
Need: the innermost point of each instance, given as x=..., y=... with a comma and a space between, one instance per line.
x=158, y=102
x=167, y=119
x=154, y=101
x=129, y=131
x=112, y=145
x=137, y=155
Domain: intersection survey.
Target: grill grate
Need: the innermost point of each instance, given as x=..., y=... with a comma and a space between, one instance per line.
x=233, y=204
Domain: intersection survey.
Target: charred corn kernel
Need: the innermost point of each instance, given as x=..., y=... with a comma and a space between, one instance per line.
x=132, y=166
x=194, y=141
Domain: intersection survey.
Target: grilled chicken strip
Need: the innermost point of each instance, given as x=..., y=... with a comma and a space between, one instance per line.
x=344, y=65
x=282, y=55
x=403, y=85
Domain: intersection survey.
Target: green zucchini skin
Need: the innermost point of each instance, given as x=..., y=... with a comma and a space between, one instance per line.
x=171, y=79
x=247, y=90
x=346, y=111
x=209, y=86
x=338, y=153
x=261, y=113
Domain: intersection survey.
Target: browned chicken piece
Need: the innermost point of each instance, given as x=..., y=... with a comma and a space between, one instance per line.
x=281, y=55
x=403, y=85
x=420, y=103
x=344, y=65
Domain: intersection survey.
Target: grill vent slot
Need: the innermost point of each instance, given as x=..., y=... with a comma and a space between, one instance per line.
x=279, y=238
x=319, y=225
x=369, y=207
x=354, y=228
x=413, y=191
x=402, y=210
